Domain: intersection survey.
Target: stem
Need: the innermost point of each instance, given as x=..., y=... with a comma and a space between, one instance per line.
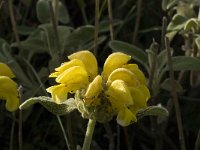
x=96, y=26
x=89, y=134
x=138, y=17
x=110, y=136
x=20, y=131
x=63, y=131
x=118, y=137
x=199, y=14
x=14, y=26
x=164, y=27
x=175, y=97
x=1, y=3
x=12, y=131
x=69, y=131
x=54, y=23
x=197, y=143
x=55, y=10
x=110, y=19
x=154, y=48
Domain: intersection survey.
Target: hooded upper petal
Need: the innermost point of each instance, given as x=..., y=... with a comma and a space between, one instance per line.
x=138, y=73
x=88, y=60
x=67, y=65
x=60, y=92
x=119, y=94
x=94, y=88
x=140, y=95
x=8, y=92
x=73, y=75
x=114, y=61
x=123, y=74
x=125, y=117
x=6, y=71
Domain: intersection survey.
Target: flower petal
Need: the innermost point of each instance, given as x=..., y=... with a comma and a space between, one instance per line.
x=8, y=92
x=134, y=109
x=94, y=88
x=114, y=61
x=119, y=94
x=73, y=75
x=145, y=91
x=140, y=96
x=93, y=91
x=12, y=103
x=58, y=92
x=88, y=60
x=67, y=65
x=125, y=117
x=123, y=74
x=134, y=68
x=6, y=71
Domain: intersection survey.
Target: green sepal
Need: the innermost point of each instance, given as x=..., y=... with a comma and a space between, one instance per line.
x=47, y=102
x=153, y=111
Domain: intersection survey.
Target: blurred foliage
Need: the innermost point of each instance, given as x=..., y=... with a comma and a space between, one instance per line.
x=42, y=48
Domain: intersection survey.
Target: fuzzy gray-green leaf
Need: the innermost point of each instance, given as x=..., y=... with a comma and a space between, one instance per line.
x=57, y=109
x=181, y=63
x=154, y=111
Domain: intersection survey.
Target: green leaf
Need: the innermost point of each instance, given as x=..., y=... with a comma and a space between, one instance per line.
x=43, y=11
x=63, y=15
x=185, y=9
x=175, y=25
x=32, y=45
x=5, y=51
x=63, y=33
x=90, y=45
x=137, y=53
x=162, y=59
x=167, y=4
x=197, y=41
x=104, y=25
x=153, y=111
x=80, y=36
x=57, y=109
x=191, y=24
x=167, y=85
x=152, y=52
x=183, y=63
x=25, y=30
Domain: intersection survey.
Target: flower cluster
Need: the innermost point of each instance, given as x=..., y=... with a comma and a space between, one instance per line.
x=120, y=89
x=8, y=88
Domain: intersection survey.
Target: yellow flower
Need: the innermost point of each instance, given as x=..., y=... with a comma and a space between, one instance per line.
x=5, y=71
x=8, y=88
x=120, y=89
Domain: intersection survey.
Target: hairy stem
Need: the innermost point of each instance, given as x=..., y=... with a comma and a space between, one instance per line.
x=64, y=133
x=175, y=97
x=20, y=131
x=89, y=134
x=197, y=143
x=96, y=26
x=137, y=22
x=110, y=136
x=54, y=23
x=13, y=22
x=110, y=19
x=12, y=131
